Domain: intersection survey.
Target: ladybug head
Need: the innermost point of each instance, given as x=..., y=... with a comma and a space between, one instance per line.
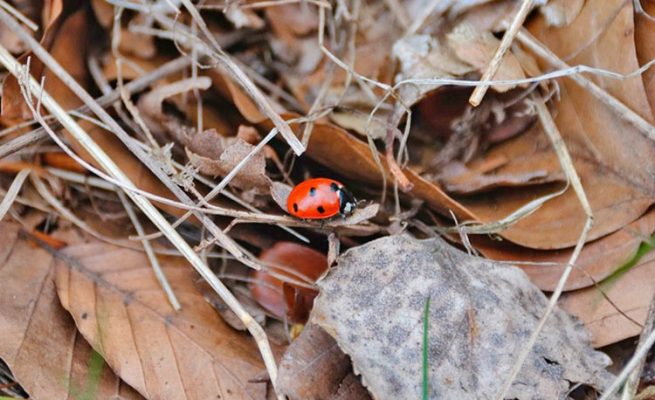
x=347, y=202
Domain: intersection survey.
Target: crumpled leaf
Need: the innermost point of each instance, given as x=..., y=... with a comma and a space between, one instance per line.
x=480, y=316
x=251, y=176
x=630, y=292
x=477, y=48
x=120, y=308
x=425, y=56
x=40, y=343
x=314, y=367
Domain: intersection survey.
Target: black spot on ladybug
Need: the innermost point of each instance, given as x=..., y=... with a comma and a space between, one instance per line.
x=334, y=187
x=295, y=207
x=320, y=209
x=312, y=191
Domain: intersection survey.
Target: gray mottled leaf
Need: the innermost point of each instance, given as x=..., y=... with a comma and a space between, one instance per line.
x=481, y=315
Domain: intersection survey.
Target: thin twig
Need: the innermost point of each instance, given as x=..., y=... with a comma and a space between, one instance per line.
x=566, y=163
x=12, y=192
x=496, y=61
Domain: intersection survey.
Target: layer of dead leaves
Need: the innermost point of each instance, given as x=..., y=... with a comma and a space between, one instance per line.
x=83, y=313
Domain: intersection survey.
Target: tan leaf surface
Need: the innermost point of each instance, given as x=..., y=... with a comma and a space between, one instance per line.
x=64, y=22
x=477, y=48
x=40, y=343
x=630, y=292
x=118, y=305
x=315, y=368
x=615, y=162
x=645, y=42
x=598, y=259
x=251, y=176
x=480, y=316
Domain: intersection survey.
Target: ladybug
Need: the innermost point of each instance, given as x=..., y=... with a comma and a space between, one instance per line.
x=320, y=198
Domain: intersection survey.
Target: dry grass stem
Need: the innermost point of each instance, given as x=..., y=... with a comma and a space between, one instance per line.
x=632, y=383
x=12, y=192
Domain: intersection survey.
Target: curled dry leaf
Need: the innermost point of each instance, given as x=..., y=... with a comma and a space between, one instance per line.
x=315, y=368
x=121, y=310
x=598, y=259
x=480, y=315
x=40, y=343
x=287, y=300
x=251, y=176
x=631, y=294
x=615, y=162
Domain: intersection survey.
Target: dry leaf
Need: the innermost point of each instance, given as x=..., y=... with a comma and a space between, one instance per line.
x=315, y=368
x=64, y=24
x=477, y=48
x=598, y=259
x=40, y=343
x=286, y=300
x=645, y=43
x=480, y=316
x=561, y=12
x=120, y=308
x=425, y=57
x=615, y=162
x=630, y=292
x=251, y=176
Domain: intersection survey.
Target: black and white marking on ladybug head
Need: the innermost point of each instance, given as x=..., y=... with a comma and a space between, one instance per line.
x=347, y=202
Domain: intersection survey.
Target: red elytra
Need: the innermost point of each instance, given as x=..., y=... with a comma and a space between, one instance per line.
x=284, y=299
x=320, y=198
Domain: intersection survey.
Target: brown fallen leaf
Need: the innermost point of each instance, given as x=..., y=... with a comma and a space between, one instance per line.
x=615, y=162
x=252, y=175
x=631, y=292
x=598, y=259
x=315, y=368
x=40, y=343
x=287, y=300
x=645, y=43
x=477, y=48
x=118, y=305
x=480, y=315
x=63, y=21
